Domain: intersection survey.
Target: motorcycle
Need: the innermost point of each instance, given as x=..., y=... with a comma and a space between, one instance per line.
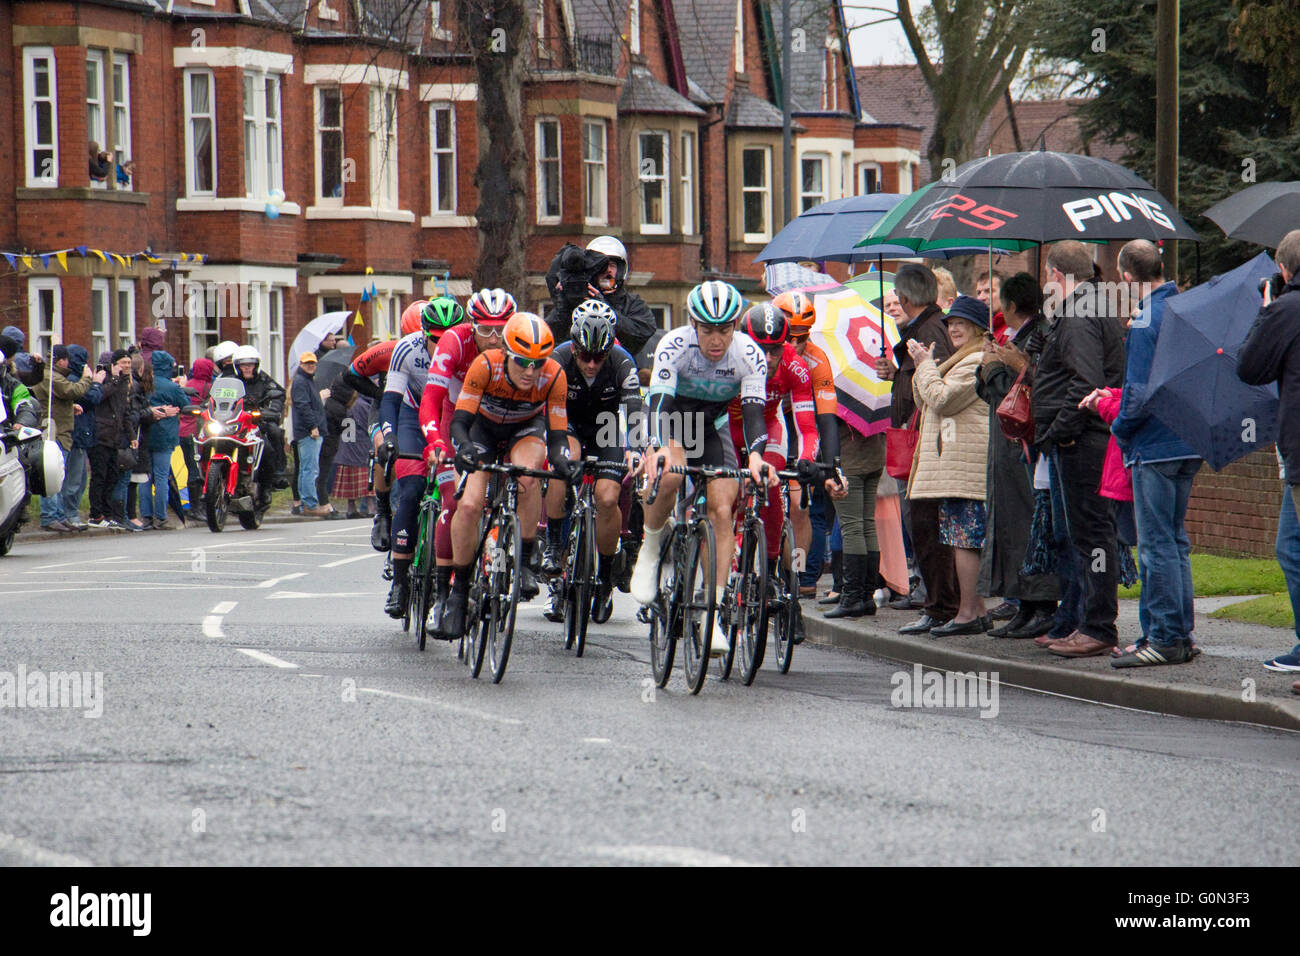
x=29, y=465
x=229, y=441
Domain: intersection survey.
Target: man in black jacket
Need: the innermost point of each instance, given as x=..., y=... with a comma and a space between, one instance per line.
x=1084, y=350
x=309, y=428
x=917, y=291
x=598, y=273
x=264, y=394
x=110, y=430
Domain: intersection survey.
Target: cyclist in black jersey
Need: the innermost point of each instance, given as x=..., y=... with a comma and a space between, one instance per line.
x=606, y=421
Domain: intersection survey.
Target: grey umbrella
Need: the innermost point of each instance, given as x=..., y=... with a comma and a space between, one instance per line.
x=1262, y=213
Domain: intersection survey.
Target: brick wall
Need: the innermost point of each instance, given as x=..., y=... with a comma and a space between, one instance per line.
x=1234, y=511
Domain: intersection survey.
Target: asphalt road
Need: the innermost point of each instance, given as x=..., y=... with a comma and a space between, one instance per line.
x=258, y=708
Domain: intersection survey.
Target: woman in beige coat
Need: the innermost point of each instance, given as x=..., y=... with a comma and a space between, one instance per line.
x=952, y=453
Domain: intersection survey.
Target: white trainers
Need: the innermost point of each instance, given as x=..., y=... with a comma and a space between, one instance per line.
x=645, y=576
x=719, y=646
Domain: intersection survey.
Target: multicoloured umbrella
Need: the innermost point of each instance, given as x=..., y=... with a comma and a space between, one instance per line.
x=853, y=331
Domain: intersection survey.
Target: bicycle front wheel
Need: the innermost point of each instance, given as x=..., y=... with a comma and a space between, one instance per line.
x=699, y=599
x=585, y=584
x=665, y=617
x=788, y=610
x=422, y=596
x=752, y=610
x=503, y=593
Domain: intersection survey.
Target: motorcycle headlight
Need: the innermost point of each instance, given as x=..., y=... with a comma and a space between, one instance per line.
x=216, y=428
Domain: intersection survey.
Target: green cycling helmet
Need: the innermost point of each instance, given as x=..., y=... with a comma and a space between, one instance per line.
x=439, y=315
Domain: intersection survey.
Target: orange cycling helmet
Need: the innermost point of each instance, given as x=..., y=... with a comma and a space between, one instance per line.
x=411, y=316
x=798, y=308
x=528, y=337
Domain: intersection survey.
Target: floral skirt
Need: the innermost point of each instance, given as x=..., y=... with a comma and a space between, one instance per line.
x=961, y=522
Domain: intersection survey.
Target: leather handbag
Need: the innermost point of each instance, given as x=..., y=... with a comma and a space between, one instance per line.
x=1015, y=413
x=900, y=449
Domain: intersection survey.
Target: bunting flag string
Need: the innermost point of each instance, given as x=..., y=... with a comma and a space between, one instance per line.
x=125, y=260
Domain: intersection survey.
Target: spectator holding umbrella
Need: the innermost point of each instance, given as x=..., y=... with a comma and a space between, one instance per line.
x=1270, y=355
x=1084, y=351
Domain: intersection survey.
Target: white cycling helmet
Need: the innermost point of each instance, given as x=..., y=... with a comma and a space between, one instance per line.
x=247, y=353
x=223, y=351
x=609, y=246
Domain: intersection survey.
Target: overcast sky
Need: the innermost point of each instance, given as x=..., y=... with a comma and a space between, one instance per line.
x=882, y=42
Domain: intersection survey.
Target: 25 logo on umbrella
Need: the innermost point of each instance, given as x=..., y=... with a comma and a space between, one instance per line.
x=978, y=215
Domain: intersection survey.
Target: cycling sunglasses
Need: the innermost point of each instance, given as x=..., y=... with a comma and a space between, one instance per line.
x=489, y=331
x=527, y=362
x=585, y=356
x=799, y=336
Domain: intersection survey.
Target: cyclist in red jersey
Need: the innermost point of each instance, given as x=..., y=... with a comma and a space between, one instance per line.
x=786, y=375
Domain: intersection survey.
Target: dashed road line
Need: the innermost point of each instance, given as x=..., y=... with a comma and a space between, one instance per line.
x=360, y=557
x=454, y=708
x=286, y=577
x=266, y=658
x=670, y=855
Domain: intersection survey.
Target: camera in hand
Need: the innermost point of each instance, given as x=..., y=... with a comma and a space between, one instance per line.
x=1274, y=283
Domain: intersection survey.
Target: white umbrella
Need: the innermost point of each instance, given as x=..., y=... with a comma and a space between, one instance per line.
x=313, y=333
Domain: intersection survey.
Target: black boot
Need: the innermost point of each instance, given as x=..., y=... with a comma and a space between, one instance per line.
x=851, y=597
x=441, y=588
x=398, y=596
x=453, y=616
x=870, y=583
x=1022, y=617
x=381, y=529
x=837, y=579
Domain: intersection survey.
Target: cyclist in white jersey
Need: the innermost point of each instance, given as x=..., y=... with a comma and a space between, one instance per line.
x=697, y=370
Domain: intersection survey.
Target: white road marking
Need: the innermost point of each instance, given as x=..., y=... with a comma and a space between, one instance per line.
x=287, y=577
x=225, y=607
x=345, y=531
x=233, y=544
x=212, y=627
x=232, y=574
x=304, y=595
x=454, y=708
x=359, y=557
x=595, y=740
x=38, y=855
x=670, y=855
x=69, y=564
x=127, y=586
x=266, y=658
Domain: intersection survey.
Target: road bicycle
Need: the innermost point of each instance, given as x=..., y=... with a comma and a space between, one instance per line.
x=497, y=567
x=423, y=560
x=685, y=606
x=745, y=601
x=578, y=579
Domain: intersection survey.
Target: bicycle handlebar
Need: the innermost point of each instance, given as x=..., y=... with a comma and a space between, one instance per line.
x=512, y=471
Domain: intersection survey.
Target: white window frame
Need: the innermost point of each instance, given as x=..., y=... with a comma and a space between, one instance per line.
x=191, y=170
x=663, y=178
x=865, y=168
x=383, y=147
x=634, y=27
x=846, y=175
x=435, y=178
x=275, y=331
x=101, y=320
x=96, y=115
x=264, y=166
x=823, y=160
x=688, y=182
x=38, y=178
x=208, y=325
x=125, y=314
x=120, y=108
x=318, y=98
x=765, y=190
x=541, y=162
x=597, y=166
x=664, y=321
x=41, y=341
x=438, y=31
x=322, y=305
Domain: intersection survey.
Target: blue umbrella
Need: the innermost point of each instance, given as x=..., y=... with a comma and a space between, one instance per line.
x=1194, y=387
x=828, y=231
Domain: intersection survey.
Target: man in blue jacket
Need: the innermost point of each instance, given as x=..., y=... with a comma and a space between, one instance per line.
x=1163, y=467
